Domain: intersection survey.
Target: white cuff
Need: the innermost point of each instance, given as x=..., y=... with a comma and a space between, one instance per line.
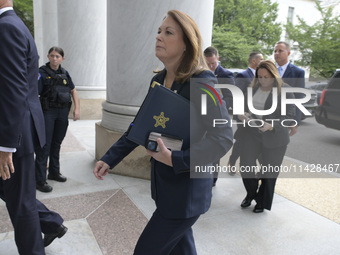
x=6, y=149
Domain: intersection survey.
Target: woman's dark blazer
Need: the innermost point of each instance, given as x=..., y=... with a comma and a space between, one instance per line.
x=176, y=194
x=279, y=136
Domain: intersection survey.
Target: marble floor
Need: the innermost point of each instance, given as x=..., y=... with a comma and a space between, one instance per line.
x=107, y=217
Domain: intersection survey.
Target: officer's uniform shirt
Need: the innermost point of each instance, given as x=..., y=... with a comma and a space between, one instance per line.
x=43, y=75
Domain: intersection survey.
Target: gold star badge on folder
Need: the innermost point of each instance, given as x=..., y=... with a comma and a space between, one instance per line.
x=160, y=120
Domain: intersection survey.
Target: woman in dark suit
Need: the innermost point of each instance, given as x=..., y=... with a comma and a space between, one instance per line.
x=180, y=199
x=267, y=142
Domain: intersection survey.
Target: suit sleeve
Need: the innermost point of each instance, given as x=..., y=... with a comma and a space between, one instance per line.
x=227, y=77
x=215, y=143
x=230, y=77
x=14, y=85
x=119, y=151
x=299, y=81
x=242, y=82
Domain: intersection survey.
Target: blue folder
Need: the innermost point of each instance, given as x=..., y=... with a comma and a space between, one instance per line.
x=163, y=111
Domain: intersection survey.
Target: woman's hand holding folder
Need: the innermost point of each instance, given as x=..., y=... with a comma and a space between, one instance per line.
x=163, y=155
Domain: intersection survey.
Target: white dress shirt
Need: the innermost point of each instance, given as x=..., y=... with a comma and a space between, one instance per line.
x=5, y=9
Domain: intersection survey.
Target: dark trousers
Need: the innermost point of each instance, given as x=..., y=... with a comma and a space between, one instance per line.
x=163, y=236
x=56, y=123
x=252, y=149
x=236, y=152
x=49, y=220
x=216, y=164
x=28, y=215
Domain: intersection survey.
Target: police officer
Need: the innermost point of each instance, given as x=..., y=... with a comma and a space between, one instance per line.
x=55, y=89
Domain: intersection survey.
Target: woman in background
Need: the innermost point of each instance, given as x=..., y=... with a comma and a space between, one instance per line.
x=268, y=142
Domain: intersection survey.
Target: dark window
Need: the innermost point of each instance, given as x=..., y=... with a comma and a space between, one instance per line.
x=334, y=83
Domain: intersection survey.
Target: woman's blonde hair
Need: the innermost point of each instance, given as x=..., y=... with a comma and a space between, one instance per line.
x=193, y=61
x=272, y=69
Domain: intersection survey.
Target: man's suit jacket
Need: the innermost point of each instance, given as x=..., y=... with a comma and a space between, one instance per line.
x=243, y=79
x=221, y=72
x=225, y=77
x=295, y=77
x=21, y=116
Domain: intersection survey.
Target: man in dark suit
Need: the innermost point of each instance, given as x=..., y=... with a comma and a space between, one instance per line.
x=224, y=76
x=22, y=128
x=243, y=80
x=291, y=74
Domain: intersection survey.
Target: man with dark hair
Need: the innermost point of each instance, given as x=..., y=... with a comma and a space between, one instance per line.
x=243, y=80
x=22, y=128
x=223, y=75
x=291, y=74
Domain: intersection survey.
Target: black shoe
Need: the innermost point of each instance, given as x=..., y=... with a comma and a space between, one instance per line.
x=258, y=209
x=60, y=232
x=57, y=177
x=43, y=187
x=246, y=202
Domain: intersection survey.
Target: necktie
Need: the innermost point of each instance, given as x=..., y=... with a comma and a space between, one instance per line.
x=280, y=71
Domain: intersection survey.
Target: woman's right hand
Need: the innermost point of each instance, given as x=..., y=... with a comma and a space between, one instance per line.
x=101, y=169
x=163, y=155
x=76, y=115
x=244, y=117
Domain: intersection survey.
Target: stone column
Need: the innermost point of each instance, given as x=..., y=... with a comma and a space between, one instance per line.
x=79, y=27
x=131, y=35
x=45, y=27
